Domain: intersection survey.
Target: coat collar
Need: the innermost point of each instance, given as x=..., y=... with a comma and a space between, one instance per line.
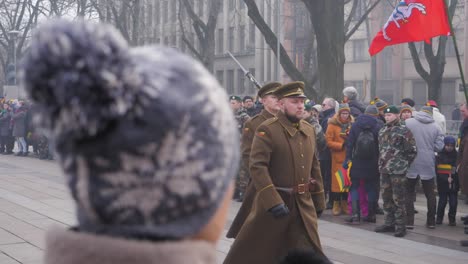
x=291, y=128
x=66, y=246
x=266, y=114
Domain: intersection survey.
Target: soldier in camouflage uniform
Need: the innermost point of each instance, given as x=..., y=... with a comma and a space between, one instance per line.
x=397, y=149
x=241, y=116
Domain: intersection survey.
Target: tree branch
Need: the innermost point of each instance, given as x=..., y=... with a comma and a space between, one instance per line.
x=362, y=19
x=417, y=62
x=187, y=42
x=351, y=15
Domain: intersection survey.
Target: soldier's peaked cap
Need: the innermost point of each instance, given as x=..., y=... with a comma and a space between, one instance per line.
x=293, y=89
x=268, y=88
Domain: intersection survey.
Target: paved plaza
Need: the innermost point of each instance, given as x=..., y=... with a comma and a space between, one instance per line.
x=33, y=197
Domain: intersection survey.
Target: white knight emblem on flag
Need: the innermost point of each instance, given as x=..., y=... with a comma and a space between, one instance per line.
x=401, y=13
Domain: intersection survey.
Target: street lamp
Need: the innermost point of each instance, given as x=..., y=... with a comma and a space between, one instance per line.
x=14, y=35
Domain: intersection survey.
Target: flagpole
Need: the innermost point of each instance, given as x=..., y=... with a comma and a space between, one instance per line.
x=456, y=52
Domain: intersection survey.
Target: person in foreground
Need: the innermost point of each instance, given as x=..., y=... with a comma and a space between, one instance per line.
x=289, y=189
x=150, y=173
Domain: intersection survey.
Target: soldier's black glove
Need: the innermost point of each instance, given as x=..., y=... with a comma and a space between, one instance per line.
x=319, y=213
x=279, y=210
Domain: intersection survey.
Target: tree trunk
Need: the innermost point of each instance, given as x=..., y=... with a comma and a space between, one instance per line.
x=328, y=22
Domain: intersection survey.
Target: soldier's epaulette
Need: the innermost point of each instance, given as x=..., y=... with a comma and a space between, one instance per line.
x=270, y=121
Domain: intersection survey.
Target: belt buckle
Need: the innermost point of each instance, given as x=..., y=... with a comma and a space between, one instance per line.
x=301, y=188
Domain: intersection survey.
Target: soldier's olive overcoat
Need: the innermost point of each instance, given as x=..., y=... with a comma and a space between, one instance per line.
x=281, y=156
x=248, y=134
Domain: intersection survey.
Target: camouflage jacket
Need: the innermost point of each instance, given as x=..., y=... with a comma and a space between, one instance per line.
x=397, y=148
x=241, y=116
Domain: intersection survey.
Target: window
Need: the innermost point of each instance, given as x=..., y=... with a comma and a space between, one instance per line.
x=221, y=6
x=419, y=92
x=241, y=81
x=230, y=82
x=165, y=10
x=150, y=14
x=166, y=41
x=231, y=39
x=220, y=77
x=156, y=13
x=173, y=41
x=242, y=38
x=359, y=50
x=220, y=41
x=387, y=65
x=252, y=33
x=252, y=87
x=200, y=8
x=173, y=11
x=232, y=5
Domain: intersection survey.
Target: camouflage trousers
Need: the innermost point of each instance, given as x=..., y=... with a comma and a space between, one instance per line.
x=394, y=192
x=242, y=179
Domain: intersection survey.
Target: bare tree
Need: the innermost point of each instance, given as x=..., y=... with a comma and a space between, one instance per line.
x=205, y=31
x=331, y=32
x=436, y=61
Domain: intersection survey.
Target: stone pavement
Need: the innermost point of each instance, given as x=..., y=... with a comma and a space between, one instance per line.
x=33, y=197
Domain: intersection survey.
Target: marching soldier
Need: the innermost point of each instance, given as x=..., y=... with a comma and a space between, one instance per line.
x=397, y=148
x=270, y=102
x=286, y=174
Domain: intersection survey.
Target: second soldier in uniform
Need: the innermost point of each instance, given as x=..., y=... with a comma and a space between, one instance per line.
x=397, y=150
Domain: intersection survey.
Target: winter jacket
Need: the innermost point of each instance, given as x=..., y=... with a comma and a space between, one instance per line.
x=71, y=247
x=357, y=108
x=5, y=120
x=19, y=122
x=449, y=158
x=336, y=135
x=363, y=168
x=429, y=140
x=439, y=120
x=462, y=161
x=327, y=114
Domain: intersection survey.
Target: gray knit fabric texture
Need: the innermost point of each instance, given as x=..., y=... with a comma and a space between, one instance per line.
x=145, y=135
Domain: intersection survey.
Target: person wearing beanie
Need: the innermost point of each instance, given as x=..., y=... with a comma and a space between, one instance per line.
x=439, y=118
x=397, y=150
x=381, y=106
x=429, y=138
x=447, y=181
x=247, y=189
x=249, y=105
x=408, y=101
x=286, y=174
x=150, y=173
x=362, y=149
x=405, y=112
x=239, y=111
x=311, y=115
x=351, y=95
x=336, y=135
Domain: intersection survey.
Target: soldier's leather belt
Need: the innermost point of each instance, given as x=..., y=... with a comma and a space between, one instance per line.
x=298, y=189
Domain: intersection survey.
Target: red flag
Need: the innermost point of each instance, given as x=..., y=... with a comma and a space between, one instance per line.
x=412, y=20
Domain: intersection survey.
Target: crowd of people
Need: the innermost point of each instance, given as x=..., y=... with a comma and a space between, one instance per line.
x=16, y=126
x=386, y=149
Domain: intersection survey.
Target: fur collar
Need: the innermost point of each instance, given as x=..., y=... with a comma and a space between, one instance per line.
x=70, y=247
x=335, y=120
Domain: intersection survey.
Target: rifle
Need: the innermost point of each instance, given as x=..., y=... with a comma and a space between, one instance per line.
x=248, y=74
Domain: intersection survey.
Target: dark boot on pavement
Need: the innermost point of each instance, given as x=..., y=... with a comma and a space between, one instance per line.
x=355, y=218
x=430, y=223
x=384, y=229
x=400, y=232
x=439, y=220
x=371, y=213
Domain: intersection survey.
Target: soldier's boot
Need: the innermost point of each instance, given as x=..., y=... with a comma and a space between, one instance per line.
x=344, y=207
x=336, y=208
x=452, y=221
x=384, y=229
x=355, y=218
x=400, y=232
x=371, y=214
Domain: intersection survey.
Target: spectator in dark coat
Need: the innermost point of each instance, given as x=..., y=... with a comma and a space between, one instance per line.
x=365, y=168
x=19, y=129
x=351, y=97
x=5, y=131
x=328, y=111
